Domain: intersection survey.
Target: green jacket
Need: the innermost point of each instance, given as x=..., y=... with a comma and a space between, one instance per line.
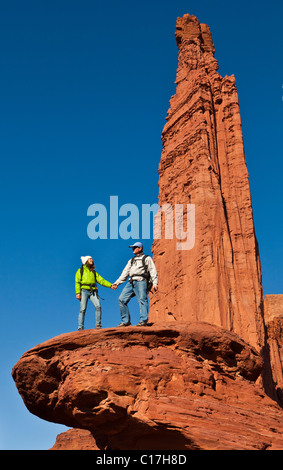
x=89, y=277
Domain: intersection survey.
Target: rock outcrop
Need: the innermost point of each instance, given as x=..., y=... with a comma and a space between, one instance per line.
x=207, y=374
x=75, y=439
x=273, y=314
x=160, y=387
x=203, y=163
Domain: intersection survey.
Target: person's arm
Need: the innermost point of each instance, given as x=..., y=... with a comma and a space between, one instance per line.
x=152, y=271
x=102, y=281
x=78, y=283
x=124, y=275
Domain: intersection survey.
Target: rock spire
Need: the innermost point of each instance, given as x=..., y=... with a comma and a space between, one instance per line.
x=203, y=164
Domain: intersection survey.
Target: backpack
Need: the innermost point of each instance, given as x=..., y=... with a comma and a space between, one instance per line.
x=146, y=273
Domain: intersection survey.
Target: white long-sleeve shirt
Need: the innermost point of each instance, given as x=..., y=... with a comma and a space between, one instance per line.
x=134, y=269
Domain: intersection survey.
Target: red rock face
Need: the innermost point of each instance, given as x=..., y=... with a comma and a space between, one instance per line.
x=75, y=439
x=273, y=313
x=161, y=387
x=203, y=163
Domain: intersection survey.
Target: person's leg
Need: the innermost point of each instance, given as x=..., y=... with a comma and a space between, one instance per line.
x=124, y=298
x=83, y=305
x=96, y=302
x=140, y=289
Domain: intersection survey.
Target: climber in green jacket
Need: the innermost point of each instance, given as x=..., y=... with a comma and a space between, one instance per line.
x=86, y=288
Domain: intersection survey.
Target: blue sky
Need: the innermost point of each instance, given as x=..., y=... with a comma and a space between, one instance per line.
x=84, y=91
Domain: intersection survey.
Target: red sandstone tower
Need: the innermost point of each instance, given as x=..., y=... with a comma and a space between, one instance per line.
x=203, y=163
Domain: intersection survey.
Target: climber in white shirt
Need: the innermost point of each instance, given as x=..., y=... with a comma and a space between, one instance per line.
x=143, y=277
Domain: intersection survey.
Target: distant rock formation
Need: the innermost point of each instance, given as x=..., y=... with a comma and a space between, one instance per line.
x=203, y=163
x=189, y=386
x=75, y=439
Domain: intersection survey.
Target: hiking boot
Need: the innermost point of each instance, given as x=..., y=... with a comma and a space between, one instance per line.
x=125, y=324
x=142, y=323
x=98, y=326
